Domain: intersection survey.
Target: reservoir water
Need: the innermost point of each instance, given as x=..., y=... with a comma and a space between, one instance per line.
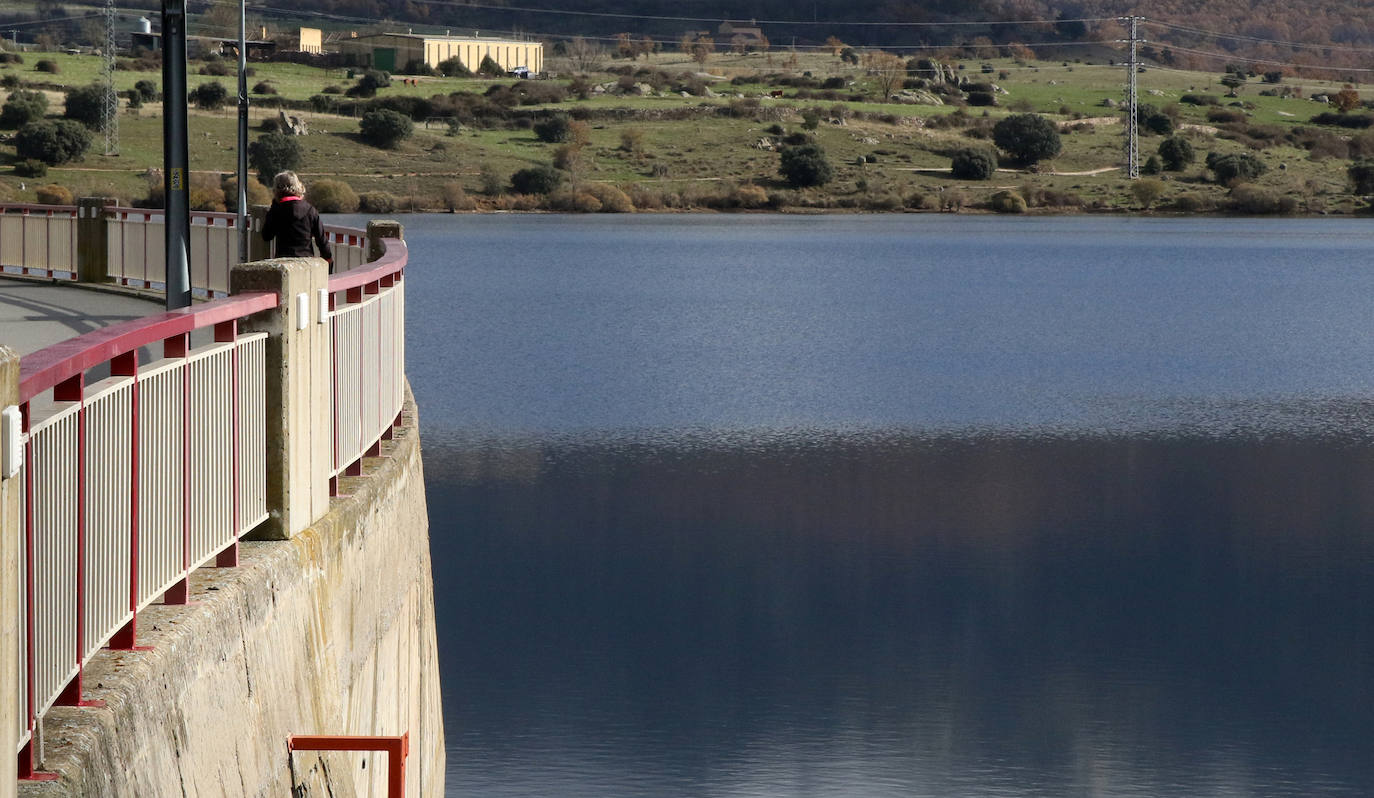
x=899, y=505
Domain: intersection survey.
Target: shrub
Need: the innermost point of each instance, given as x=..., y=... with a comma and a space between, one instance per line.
x=568, y=157
x=973, y=163
x=555, y=129
x=982, y=98
x=273, y=153
x=1152, y=166
x=749, y=196
x=385, y=128
x=258, y=194
x=1343, y=120
x=1361, y=174
x=1200, y=99
x=1191, y=203
x=332, y=89
x=11, y=58
x=47, y=65
x=206, y=193
x=30, y=167
x=489, y=68
x=263, y=87
x=418, y=66
x=1225, y=116
x=1253, y=199
x=217, y=68
x=1007, y=201
x=1028, y=138
x=1234, y=168
x=9, y=81
x=210, y=96
x=377, y=202
x=1176, y=152
x=86, y=104
x=53, y=141
x=55, y=195
x=21, y=108
x=541, y=179
x=454, y=68
x=332, y=196
x=805, y=165
x=147, y=90
x=369, y=83
x=612, y=199
x=491, y=181
x=1146, y=191
x=323, y=104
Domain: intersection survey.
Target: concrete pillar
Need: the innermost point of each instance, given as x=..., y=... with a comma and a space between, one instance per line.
x=92, y=240
x=11, y=536
x=299, y=447
x=377, y=230
x=257, y=248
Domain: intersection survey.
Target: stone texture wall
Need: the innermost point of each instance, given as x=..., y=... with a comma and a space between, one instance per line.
x=329, y=632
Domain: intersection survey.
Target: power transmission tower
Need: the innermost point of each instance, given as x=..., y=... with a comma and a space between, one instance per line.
x=109, y=111
x=1132, y=102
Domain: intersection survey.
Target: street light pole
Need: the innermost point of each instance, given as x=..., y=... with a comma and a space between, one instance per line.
x=242, y=219
x=175, y=158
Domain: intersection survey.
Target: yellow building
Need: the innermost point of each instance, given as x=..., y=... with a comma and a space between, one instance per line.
x=310, y=40
x=390, y=52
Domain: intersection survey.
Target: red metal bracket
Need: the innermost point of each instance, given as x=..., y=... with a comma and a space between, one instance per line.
x=396, y=748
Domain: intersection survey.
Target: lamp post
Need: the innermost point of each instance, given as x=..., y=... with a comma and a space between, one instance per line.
x=242, y=219
x=175, y=159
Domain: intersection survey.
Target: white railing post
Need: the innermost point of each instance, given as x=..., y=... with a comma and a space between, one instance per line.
x=299, y=448
x=12, y=698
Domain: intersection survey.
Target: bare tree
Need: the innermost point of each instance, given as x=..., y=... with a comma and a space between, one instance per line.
x=585, y=55
x=888, y=69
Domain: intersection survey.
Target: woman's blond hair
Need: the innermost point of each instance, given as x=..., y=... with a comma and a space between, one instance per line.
x=286, y=184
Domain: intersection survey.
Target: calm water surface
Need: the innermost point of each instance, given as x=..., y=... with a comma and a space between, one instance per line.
x=899, y=506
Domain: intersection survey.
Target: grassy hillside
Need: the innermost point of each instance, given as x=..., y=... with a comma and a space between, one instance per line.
x=666, y=150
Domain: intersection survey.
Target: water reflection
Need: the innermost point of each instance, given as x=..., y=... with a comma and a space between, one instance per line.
x=884, y=612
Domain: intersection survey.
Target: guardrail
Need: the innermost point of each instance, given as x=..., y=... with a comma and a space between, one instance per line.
x=39, y=239
x=131, y=481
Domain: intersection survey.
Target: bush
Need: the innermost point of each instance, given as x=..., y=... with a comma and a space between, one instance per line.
x=332, y=89
x=147, y=91
x=1176, y=152
x=417, y=66
x=612, y=199
x=377, y=202
x=1007, y=201
x=1192, y=203
x=1343, y=120
x=1234, y=168
x=369, y=83
x=1253, y=199
x=273, y=153
x=973, y=163
x=489, y=68
x=21, y=108
x=541, y=179
x=982, y=98
x=323, y=104
x=217, y=68
x=210, y=96
x=457, y=199
x=258, y=194
x=1152, y=166
x=11, y=58
x=805, y=165
x=454, y=68
x=1028, y=138
x=332, y=196
x=55, y=195
x=263, y=87
x=53, y=141
x=385, y=128
x=86, y=104
x=749, y=196
x=1200, y=99
x=30, y=167
x=47, y=65
x=1361, y=174
x=1146, y=191
x=555, y=129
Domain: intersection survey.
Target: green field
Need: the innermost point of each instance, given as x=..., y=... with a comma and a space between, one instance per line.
x=885, y=155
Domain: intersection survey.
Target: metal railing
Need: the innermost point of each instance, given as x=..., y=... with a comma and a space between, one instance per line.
x=39, y=239
x=132, y=481
x=367, y=353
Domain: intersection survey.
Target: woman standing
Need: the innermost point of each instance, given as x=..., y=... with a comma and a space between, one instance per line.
x=292, y=222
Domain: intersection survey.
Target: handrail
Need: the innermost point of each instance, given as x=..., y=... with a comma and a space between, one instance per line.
x=395, y=254
x=57, y=363
x=33, y=206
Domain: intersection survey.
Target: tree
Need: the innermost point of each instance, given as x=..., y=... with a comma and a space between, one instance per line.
x=805, y=165
x=272, y=153
x=86, y=104
x=1176, y=152
x=1347, y=99
x=23, y=107
x=834, y=45
x=53, y=141
x=385, y=128
x=1232, y=82
x=1146, y=191
x=624, y=46
x=701, y=49
x=888, y=70
x=973, y=163
x=210, y=96
x=489, y=68
x=1235, y=167
x=1361, y=175
x=1028, y=138
x=542, y=179
x=454, y=68
x=147, y=90
x=554, y=130
x=585, y=55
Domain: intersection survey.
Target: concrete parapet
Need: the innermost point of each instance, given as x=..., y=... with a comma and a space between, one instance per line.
x=299, y=446
x=11, y=538
x=92, y=239
x=378, y=229
x=258, y=249
x=330, y=632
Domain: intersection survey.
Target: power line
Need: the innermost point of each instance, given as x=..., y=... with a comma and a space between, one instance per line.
x=1269, y=61
x=1259, y=40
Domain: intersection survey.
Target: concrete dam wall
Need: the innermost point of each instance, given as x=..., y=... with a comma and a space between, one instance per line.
x=329, y=632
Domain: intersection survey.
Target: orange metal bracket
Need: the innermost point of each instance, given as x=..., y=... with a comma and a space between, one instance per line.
x=396, y=748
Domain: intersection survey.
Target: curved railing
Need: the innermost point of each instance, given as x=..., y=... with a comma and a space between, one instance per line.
x=39, y=240
x=141, y=465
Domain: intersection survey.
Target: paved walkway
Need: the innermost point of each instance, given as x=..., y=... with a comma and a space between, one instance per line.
x=35, y=313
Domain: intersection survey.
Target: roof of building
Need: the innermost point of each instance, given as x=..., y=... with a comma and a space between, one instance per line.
x=444, y=37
